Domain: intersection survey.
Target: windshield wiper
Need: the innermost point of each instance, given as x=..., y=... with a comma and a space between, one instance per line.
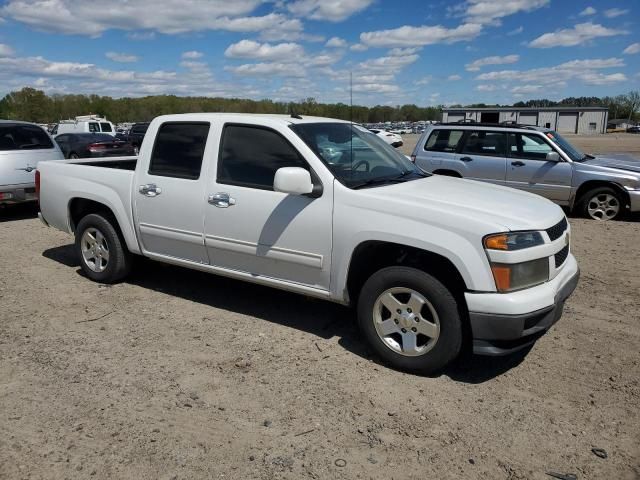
x=382, y=180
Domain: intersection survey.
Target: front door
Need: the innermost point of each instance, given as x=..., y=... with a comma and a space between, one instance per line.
x=169, y=196
x=528, y=168
x=251, y=228
x=482, y=156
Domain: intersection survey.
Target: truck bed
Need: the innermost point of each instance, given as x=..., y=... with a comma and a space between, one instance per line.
x=121, y=163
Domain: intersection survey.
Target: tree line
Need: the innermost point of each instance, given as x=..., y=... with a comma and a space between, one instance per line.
x=30, y=104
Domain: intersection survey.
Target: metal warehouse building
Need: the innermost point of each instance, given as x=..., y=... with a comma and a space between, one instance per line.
x=585, y=120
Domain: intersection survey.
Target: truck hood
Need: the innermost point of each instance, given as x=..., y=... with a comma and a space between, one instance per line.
x=627, y=164
x=456, y=201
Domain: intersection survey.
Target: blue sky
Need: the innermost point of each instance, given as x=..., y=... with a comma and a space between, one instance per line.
x=422, y=52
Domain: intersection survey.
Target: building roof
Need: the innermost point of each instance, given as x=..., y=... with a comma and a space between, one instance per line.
x=524, y=109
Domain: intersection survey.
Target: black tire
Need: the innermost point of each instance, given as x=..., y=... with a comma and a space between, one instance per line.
x=586, y=199
x=448, y=344
x=119, y=262
x=73, y=156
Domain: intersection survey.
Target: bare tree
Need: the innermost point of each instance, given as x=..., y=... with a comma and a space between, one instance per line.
x=633, y=103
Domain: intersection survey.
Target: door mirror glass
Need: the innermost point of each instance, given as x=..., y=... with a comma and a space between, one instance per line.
x=553, y=157
x=293, y=180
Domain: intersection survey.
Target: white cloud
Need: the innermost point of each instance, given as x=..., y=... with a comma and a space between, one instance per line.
x=83, y=18
x=330, y=10
x=527, y=89
x=6, y=50
x=358, y=47
x=121, y=57
x=615, y=12
x=516, y=31
x=259, y=69
x=282, y=52
x=495, y=60
x=581, y=70
x=424, y=80
x=490, y=12
x=578, y=35
x=390, y=64
x=336, y=42
x=486, y=88
x=141, y=36
x=632, y=49
x=192, y=55
x=408, y=36
x=588, y=11
x=454, y=78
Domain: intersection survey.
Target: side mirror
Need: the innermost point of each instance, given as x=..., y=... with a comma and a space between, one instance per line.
x=553, y=157
x=293, y=180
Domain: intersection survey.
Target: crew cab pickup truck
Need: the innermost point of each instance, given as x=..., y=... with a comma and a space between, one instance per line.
x=324, y=208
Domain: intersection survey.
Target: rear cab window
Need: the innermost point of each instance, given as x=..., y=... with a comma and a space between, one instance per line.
x=15, y=136
x=443, y=140
x=178, y=150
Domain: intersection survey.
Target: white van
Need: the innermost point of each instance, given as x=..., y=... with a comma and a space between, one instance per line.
x=84, y=124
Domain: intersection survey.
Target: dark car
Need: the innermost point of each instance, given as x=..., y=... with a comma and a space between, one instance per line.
x=86, y=145
x=635, y=129
x=136, y=135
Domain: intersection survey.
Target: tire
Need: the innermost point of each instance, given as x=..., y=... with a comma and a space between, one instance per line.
x=112, y=261
x=73, y=156
x=593, y=204
x=438, y=339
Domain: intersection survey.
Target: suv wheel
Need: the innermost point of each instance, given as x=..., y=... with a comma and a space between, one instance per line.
x=602, y=203
x=103, y=255
x=410, y=319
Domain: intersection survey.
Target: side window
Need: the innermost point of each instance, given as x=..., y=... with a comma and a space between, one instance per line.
x=178, y=150
x=94, y=127
x=249, y=156
x=486, y=143
x=106, y=127
x=531, y=147
x=443, y=141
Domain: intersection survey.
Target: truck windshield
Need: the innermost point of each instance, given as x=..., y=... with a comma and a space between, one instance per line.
x=355, y=156
x=574, y=154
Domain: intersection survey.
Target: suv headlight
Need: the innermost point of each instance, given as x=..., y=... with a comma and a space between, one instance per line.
x=516, y=276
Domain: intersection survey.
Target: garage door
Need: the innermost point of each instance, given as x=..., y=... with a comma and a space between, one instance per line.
x=529, y=118
x=455, y=117
x=567, y=122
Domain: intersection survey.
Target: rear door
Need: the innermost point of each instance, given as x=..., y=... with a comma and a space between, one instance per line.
x=169, y=194
x=482, y=156
x=528, y=168
x=439, y=151
x=22, y=146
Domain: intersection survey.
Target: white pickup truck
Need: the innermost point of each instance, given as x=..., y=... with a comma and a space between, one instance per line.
x=324, y=208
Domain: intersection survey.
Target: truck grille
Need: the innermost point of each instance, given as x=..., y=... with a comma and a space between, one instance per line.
x=557, y=230
x=561, y=256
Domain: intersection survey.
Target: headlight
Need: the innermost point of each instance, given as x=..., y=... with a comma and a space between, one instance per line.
x=513, y=240
x=516, y=276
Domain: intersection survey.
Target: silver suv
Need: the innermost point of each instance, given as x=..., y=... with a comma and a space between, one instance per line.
x=534, y=159
x=22, y=146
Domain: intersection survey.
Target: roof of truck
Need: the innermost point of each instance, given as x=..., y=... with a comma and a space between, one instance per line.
x=288, y=119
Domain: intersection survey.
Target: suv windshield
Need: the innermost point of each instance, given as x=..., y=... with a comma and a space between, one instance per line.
x=574, y=154
x=356, y=157
x=23, y=137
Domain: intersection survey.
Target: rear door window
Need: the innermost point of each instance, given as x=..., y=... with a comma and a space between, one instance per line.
x=442, y=140
x=530, y=147
x=487, y=143
x=106, y=127
x=178, y=150
x=23, y=137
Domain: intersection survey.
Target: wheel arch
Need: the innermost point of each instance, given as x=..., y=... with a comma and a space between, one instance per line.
x=447, y=172
x=591, y=184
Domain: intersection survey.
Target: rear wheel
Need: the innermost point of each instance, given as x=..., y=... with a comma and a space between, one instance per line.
x=410, y=319
x=103, y=255
x=73, y=156
x=602, y=203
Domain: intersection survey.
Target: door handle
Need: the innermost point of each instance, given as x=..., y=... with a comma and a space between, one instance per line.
x=150, y=190
x=466, y=159
x=518, y=163
x=221, y=200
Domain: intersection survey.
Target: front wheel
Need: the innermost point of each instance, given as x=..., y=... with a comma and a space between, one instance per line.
x=103, y=256
x=602, y=203
x=410, y=319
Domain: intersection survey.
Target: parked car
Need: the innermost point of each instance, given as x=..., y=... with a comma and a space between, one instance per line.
x=392, y=139
x=84, y=124
x=425, y=258
x=22, y=146
x=534, y=159
x=635, y=129
x=136, y=135
x=87, y=145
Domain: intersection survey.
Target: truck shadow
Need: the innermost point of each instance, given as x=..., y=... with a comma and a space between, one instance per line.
x=320, y=318
x=22, y=211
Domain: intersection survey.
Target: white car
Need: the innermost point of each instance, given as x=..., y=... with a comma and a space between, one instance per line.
x=392, y=139
x=22, y=146
x=430, y=261
x=84, y=124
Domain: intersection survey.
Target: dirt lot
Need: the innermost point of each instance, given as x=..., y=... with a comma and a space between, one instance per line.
x=176, y=374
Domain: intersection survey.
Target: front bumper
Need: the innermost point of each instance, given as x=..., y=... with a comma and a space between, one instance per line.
x=634, y=200
x=17, y=193
x=513, y=321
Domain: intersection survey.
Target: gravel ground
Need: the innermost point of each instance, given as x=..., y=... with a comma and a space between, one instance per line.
x=175, y=374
